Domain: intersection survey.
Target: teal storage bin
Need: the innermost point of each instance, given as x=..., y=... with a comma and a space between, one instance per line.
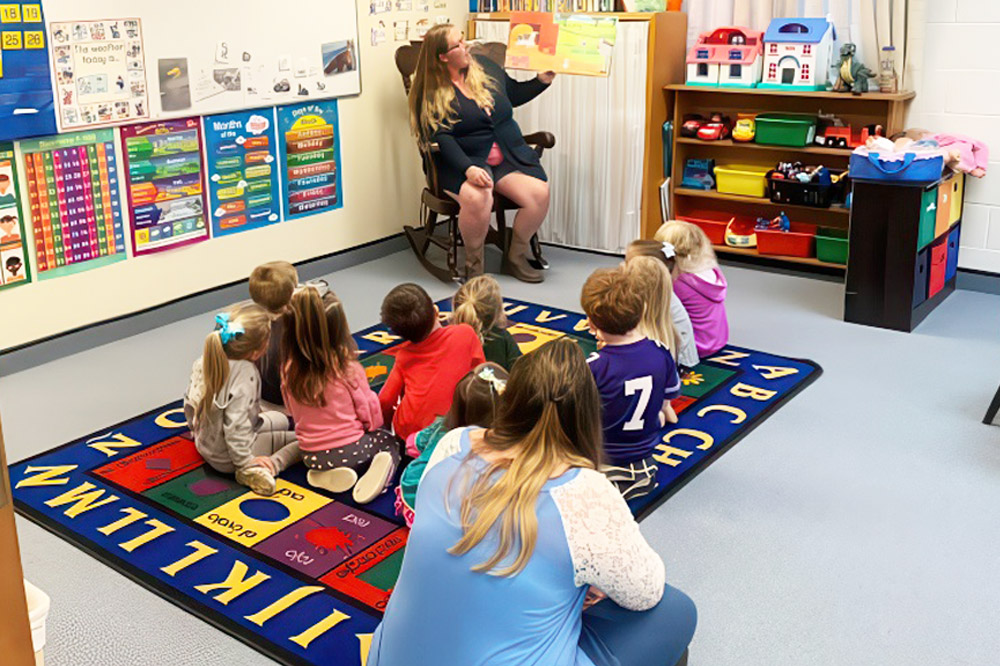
x=785, y=129
x=928, y=217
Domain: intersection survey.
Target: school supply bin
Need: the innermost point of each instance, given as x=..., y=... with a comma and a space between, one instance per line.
x=909, y=168
x=799, y=241
x=795, y=192
x=785, y=129
x=831, y=245
x=749, y=180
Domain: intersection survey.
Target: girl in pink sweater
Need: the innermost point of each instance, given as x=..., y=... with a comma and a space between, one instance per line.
x=699, y=284
x=338, y=421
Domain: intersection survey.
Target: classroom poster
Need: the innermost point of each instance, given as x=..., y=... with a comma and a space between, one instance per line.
x=73, y=195
x=13, y=258
x=562, y=43
x=243, y=188
x=310, y=158
x=100, y=72
x=26, y=104
x=165, y=184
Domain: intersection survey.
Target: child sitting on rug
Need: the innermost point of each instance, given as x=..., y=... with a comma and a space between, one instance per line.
x=337, y=416
x=271, y=287
x=672, y=316
x=479, y=304
x=635, y=376
x=222, y=403
x=699, y=284
x=475, y=403
x=428, y=365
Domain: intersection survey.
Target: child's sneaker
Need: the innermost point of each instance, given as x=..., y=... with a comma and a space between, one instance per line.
x=376, y=479
x=257, y=479
x=338, y=480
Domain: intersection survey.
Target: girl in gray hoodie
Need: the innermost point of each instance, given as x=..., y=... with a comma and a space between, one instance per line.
x=222, y=403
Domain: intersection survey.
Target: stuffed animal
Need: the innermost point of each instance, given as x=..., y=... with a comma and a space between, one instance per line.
x=853, y=75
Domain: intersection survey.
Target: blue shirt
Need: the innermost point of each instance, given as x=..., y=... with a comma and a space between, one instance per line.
x=633, y=381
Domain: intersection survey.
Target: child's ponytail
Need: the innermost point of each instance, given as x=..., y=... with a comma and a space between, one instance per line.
x=215, y=369
x=479, y=304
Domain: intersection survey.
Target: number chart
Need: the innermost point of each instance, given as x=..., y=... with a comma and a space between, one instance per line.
x=165, y=184
x=13, y=264
x=73, y=196
x=243, y=170
x=26, y=104
x=310, y=157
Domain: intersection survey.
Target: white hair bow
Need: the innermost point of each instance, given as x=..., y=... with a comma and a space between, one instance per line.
x=668, y=250
x=488, y=375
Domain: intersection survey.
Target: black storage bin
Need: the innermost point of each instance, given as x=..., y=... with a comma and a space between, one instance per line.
x=791, y=191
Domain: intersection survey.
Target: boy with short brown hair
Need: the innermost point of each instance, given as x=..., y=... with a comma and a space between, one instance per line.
x=271, y=287
x=635, y=376
x=430, y=363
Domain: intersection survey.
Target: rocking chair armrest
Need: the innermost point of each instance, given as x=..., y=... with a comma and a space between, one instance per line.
x=540, y=140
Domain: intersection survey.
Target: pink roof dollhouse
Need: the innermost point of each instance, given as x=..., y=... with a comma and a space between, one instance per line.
x=798, y=53
x=726, y=57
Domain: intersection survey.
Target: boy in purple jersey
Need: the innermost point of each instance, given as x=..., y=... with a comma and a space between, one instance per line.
x=636, y=378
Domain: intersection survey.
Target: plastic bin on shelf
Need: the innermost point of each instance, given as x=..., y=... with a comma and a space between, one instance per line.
x=831, y=245
x=712, y=222
x=38, y=613
x=785, y=129
x=749, y=180
x=792, y=191
x=800, y=241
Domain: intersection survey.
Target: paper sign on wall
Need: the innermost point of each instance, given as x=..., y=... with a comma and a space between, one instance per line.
x=26, y=104
x=310, y=158
x=100, y=72
x=13, y=257
x=165, y=184
x=74, y=200
x=242, y=166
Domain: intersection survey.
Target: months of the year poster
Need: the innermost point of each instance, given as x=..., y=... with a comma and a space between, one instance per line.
x=73, y=196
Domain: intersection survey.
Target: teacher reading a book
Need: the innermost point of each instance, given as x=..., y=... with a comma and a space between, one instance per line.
x=465, y=103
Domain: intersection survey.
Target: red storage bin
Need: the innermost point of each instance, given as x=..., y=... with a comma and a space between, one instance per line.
x=712, y=222
x=799, y=242
x=939, y=266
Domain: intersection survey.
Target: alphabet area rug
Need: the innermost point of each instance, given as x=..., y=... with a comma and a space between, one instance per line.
x=303, y=576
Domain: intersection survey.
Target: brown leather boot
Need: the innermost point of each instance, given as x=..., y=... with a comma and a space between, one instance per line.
x=473, y=262
x=515, y=263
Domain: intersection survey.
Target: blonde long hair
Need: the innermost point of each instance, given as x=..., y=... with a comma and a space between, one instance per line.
x=479, y=304
x=432, y=92
x=256, y=324
x=317, y=345
x=651, y=279
x=694, y=250
x=550, y=412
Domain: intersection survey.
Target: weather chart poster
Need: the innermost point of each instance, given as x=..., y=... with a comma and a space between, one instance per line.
x=310, y=158
x=242, y=170
x=165, y=184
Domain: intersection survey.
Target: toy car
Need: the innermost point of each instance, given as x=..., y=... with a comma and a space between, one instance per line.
x=691, y=125
x=718, y=127
x=846, y=137
x=745, y=129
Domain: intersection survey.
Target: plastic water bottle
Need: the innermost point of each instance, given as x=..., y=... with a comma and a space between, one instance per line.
x=888, y=81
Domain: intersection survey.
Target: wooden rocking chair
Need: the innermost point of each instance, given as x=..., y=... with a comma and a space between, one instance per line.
x=435, y=203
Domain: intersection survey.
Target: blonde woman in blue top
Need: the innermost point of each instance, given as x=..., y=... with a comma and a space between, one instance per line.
x=522, y=552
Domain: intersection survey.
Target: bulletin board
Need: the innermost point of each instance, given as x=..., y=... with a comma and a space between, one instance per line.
x=116, y=62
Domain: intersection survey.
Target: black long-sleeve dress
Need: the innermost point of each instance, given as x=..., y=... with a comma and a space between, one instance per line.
x=468, y=142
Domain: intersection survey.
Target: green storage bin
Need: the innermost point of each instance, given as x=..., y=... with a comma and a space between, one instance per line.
x=928, y=217
x=831, y=245
x=786, y=129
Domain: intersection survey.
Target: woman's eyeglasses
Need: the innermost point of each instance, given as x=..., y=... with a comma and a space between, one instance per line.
x=461, y=42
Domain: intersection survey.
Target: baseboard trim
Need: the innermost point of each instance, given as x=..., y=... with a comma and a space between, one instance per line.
x=81, y=338
x=981, y=281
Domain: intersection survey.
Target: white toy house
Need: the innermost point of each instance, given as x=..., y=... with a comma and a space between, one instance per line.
x=726, y=57
x=798, y=53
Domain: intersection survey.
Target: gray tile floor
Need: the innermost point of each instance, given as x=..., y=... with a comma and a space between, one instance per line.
x=859, y=525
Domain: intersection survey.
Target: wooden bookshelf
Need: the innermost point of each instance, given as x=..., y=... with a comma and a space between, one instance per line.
x=884, y=109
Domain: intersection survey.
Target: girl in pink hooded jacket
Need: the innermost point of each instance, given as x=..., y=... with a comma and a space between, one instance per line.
x=699, y=284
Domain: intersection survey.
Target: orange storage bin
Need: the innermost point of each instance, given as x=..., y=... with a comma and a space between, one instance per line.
x=946, y=190
x=799, y=242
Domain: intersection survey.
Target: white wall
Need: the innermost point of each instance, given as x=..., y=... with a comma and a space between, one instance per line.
x=381, y=181
x=960, y=93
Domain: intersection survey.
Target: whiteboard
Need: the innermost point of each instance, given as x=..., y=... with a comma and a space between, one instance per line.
x=197, y=57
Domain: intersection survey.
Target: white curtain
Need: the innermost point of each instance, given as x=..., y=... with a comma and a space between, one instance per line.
x=595, y=169
x=869, y=24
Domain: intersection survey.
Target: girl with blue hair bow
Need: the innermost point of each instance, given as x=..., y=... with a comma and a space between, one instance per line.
x=222, y=403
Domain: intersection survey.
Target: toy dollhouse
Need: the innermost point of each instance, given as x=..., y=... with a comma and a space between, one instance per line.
x=798, y=53
x=726, y=57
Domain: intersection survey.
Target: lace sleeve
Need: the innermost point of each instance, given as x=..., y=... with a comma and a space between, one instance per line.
x=448, y=446
x=605, y=544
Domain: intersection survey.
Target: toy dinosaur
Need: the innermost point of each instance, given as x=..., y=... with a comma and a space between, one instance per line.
x=852, y=75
